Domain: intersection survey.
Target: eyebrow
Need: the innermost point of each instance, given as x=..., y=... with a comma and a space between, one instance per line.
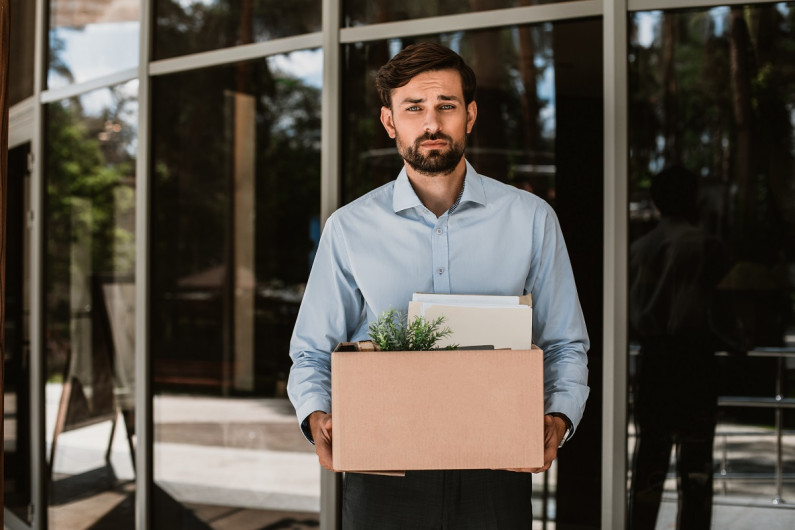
x=421, y=100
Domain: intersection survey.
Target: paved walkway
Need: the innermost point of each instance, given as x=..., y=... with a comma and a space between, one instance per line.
x=231, y=459
x=228, y=452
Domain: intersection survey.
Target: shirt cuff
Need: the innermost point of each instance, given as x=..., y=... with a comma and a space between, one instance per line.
x=569, y=426
x=305, y=410
x=305, y=426
x=306, y=430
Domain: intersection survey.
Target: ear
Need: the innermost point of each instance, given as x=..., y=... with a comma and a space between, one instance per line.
x=472, y=114
x=388, y=121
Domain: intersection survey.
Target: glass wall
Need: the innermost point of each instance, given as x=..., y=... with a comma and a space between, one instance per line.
x=712, y=261
x=360, y=12
x=539, y=127
x=91, y=144
x=235, y=223
x=91, y=38
x=21, y=49
x=234, y=172
x=184, y=26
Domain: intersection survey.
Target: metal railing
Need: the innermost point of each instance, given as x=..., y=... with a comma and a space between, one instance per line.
x=778, y=403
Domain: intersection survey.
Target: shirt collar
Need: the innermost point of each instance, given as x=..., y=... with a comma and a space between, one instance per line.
x=404, y=196
x=473, y=187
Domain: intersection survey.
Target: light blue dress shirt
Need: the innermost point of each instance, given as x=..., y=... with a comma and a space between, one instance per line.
x=377, y=251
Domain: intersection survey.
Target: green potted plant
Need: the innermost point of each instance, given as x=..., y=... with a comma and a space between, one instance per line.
x=393, y=332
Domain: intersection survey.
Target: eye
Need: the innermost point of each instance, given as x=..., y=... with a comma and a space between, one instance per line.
x=447, y=106
x=413, y=108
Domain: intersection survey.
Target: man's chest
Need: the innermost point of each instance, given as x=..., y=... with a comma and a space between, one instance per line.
x=388, y=265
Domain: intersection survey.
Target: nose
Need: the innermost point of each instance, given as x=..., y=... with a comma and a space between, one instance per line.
x=431, y=121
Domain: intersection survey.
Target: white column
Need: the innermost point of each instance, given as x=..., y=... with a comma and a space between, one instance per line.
x=330, y=483
x=614, y=419
x=38, y=455
x=143, y=398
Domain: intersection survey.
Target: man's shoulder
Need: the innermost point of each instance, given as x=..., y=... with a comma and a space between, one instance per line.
x=499, y=192
x=367, y=204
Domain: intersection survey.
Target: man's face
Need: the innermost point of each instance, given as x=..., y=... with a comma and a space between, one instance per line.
x=429, y=121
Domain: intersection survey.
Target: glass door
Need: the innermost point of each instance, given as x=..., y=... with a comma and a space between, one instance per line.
x=16, y=398
x=711, y=266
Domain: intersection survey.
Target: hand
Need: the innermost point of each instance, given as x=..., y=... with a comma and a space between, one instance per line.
x=554, y=430
x=320, y=426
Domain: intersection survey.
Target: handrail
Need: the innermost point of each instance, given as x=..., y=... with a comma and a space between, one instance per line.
x=777, y=402
x=750, y=401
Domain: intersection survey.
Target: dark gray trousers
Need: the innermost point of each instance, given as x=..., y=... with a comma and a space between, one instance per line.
x=454, y=500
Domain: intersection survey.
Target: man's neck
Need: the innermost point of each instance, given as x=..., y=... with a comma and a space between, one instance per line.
x=440, y=191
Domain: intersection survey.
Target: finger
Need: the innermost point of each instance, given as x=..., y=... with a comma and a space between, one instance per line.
x=325, y=426
x=324, y=454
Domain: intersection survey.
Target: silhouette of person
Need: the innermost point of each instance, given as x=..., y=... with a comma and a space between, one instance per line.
x=674, y=270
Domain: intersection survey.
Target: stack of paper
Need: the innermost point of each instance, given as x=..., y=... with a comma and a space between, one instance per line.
x=478, y=320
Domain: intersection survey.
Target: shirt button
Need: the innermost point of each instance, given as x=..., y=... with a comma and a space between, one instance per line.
x=439, y=231
x=441, y=270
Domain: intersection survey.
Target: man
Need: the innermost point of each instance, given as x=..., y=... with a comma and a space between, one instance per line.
x=439, y=227
x=674, y=272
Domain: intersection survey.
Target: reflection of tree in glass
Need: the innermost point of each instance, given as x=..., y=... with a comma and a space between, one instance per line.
x=193, y=162
x=57, y=64
x=90, y=199
x=196, y=137
x=509, y=134
x=191, y=26
x=714, y=91
x=359, y=12
x=288, y=184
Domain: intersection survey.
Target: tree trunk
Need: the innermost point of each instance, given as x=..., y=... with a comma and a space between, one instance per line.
x=4, y=45
x=489, y=129
x=671, y=125
x=741, y=74
x=528, y=73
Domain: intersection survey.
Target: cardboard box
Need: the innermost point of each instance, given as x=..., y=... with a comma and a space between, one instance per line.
x=445, y=409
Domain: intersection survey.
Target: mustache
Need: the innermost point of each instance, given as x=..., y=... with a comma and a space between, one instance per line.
x=432, y=137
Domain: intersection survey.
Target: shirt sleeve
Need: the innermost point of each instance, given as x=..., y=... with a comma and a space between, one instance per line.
x=558, y=323
x=330, y=311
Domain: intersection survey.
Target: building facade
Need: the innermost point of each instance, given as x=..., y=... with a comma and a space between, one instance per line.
x=171, y=164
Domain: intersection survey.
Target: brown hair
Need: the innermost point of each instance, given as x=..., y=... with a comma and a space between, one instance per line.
x=417, y=59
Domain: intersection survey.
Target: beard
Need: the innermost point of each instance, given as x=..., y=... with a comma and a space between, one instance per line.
x=437, y=161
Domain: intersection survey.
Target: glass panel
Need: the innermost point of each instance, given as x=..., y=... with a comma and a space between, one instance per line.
x=236, y=189
x=91, y=38
x=20, y=75
x=360, y=12
x=16, y=380
x=89, y=320
x=539, y=127
x=712, y=264
x=191, y=26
